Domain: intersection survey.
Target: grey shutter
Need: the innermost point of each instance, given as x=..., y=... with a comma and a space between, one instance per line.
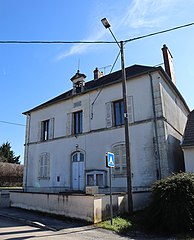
x=69, y=124
x=40, y=167
x=47, y=165
x=108, y=107
x=130, y=109
x=39, y=134
x=51, y=128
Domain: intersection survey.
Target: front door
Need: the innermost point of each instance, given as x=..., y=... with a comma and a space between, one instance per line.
x=78, y=170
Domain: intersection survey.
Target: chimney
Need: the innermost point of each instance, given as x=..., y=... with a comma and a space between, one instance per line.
x=168, y=63
x=97, y=74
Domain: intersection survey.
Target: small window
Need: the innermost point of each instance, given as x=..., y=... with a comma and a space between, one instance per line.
x=45, y=130
x=90, y=179
x=118, y=112
x=78, y=157
x=44, y=166
x=77, y=120
x=96, y=178
x=99, y=179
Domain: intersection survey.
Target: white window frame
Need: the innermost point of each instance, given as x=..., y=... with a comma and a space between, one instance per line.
x=44, y=166
x=78, y=122
x=95, y=173
x=46, y=130
x=110, y=112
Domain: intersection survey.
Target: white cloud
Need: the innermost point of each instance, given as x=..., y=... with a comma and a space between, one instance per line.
x=81, y=48
x=124, y=16
x=75, y=49
x=146, y=13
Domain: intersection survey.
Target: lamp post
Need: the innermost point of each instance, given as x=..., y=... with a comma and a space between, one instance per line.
x=126, y=124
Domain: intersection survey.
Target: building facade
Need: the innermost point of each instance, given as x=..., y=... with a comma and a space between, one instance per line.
x=68, y=136
x=188, y=143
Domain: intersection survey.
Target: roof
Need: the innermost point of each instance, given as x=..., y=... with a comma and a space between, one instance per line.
x=78, y=75
x=131, y=72
x=188, y=139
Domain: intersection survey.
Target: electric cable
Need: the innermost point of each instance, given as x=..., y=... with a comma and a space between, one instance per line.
x=12, y=123
x=91, y=42
x=160, y=32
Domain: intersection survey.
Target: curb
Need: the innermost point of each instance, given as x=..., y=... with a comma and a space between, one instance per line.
x=29, y=222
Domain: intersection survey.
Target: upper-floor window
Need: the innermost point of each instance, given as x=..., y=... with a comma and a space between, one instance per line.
x=118, y=112
x=115, y=112
x=46, y=130
x=77, y=122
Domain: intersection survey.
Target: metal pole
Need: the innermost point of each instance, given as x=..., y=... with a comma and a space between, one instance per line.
x=111, y=212
x=128, y=163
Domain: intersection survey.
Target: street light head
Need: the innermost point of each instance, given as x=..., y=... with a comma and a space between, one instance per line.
x=105, y=23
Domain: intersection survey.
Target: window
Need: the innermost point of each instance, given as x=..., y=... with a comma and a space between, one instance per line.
x=45, y=130
x=44, y=166
x=77, y=120
x=114, y=112
x=118, y=112
x=120, y=160
x=90, y=179
x=96, y=178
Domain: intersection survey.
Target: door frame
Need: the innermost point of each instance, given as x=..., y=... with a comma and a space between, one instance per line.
x=71, y=174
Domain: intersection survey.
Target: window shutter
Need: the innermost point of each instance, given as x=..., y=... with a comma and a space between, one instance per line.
x=69, y=124
x=51, y=128
x=108, y=114
x=40, y=166
x=39, y=135
x=130, y=109
x=48, y=165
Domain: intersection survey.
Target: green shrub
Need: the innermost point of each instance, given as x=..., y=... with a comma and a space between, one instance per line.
x=172, y=205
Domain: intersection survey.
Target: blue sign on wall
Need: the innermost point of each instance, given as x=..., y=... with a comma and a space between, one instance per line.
x=110, y=159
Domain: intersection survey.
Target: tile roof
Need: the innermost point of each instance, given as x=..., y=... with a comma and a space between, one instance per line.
x=188, y=139
x=131, y=72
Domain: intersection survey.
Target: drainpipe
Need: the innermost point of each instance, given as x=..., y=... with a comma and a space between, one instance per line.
x=28, y=121
x=158, y=167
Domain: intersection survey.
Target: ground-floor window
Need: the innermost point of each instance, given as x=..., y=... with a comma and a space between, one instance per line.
x=96, y=178
x=44, y=166
x=120, y=160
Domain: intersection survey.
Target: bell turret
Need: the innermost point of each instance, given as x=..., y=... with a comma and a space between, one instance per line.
x=78, y=82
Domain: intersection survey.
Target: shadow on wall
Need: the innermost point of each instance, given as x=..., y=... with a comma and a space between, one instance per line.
x=175, y=155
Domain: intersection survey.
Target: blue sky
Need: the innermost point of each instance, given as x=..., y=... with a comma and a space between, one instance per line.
x=31, y=74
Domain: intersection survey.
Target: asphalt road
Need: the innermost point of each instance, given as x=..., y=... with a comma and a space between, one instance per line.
x=22, y=224
x=13, y=229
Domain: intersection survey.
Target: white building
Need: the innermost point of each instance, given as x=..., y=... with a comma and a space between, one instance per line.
x=188, y=143
x=68, y=136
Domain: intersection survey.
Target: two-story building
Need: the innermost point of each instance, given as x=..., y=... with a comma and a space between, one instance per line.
x=67, y=137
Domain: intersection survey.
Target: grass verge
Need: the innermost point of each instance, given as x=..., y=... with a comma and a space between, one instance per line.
x=119, y=224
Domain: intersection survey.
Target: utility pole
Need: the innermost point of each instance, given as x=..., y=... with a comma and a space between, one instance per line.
x=126, y=122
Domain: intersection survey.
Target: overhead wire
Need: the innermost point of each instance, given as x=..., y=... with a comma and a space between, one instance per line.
x=88, y=42
x=51, y=42
x=91, y=42
x=160, y=32
x=12, y=123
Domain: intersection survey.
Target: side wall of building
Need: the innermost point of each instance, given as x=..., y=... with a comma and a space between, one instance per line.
x=170, y=127
x=189, y=161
